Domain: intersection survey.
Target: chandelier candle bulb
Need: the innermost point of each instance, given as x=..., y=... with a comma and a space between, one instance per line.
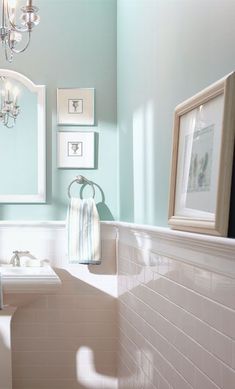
x=15, y=93
x=8, y=87
x=2, y=98
x=12, y=4
x=12, y=7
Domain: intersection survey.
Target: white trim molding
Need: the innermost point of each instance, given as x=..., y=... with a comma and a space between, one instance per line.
x=108, y=229
x=208, y=252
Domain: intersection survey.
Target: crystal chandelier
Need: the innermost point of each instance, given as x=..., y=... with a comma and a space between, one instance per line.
x=11, y=33
x=9, y=109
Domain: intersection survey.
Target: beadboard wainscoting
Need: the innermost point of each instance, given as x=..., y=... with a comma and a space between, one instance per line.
x=176, y=310
x=66, y=340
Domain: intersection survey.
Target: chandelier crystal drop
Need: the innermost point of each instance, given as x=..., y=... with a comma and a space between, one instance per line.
x=9, y=109
x=11, y=33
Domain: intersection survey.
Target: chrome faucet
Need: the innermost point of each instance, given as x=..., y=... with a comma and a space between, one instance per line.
x=15, y=260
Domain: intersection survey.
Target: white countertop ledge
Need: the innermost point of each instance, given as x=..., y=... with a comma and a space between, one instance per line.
x=29, y=279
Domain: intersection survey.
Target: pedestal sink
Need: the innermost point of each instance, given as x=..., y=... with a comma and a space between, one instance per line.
x=20, y=285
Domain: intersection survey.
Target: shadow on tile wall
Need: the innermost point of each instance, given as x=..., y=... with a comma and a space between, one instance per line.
x=66, y=340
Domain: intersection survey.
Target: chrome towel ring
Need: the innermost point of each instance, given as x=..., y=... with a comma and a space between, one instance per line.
x=82, y=181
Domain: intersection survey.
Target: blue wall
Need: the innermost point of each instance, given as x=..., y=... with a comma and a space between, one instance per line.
x=74, y=46
x=167, y=51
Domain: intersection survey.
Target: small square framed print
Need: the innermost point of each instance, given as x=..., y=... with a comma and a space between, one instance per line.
x=75, y=106
x=75, y=150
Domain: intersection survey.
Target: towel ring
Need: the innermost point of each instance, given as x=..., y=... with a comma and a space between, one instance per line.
x=81, y=180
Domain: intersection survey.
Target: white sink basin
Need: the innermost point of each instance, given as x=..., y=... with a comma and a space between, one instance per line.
x=23, y=284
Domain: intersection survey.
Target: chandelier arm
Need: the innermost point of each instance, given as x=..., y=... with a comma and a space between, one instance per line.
x=13, y=116
x=6, y=121
x=17, y=28
x=9, y=58
x=9, y=27
x=9, y=126
x=15, y=51
x=3, y=13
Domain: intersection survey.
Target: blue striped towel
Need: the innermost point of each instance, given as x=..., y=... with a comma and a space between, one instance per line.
x=83, y=226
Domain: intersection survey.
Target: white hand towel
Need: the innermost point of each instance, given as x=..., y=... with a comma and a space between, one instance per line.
x=83, y=226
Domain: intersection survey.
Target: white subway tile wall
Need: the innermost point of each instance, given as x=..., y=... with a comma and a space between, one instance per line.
x=173, y=326
x=176, y=320
x=67, y=340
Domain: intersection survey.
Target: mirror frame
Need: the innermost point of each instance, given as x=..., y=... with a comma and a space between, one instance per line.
x=40, y=90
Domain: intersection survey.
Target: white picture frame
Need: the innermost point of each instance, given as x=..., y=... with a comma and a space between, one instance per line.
x=202, y=159
x=75, y=150
x=75, y=106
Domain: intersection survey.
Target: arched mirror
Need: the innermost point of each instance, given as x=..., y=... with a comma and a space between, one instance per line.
x=22, y=139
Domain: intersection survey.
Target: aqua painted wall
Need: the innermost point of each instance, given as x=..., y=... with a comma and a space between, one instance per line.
x=167, y=51
x=74, y=46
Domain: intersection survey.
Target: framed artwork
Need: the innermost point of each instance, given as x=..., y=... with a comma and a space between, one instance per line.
x=75, y=106
x=75, y=150
x=202, y=159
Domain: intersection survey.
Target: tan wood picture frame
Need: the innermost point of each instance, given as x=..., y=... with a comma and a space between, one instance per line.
x=217, y=221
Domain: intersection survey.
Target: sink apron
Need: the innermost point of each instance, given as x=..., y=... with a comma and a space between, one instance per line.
x=6, y=315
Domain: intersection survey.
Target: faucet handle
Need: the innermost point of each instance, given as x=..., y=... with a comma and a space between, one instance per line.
x=15, y=260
